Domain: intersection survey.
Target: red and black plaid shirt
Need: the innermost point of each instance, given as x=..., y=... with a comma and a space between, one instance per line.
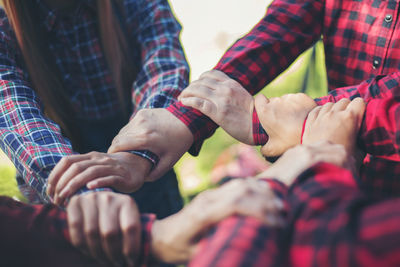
x=330, y=222
x=361, y=41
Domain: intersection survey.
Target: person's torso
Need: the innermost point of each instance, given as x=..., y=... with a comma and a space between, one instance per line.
x=75, y=45
x=362, y=40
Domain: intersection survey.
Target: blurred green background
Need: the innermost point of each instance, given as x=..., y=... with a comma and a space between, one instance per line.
x=204, y=41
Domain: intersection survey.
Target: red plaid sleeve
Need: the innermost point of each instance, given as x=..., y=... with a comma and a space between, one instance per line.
x=40, y=234
x=240, y=241
x=378, y=135
x=381, y=87
x=288, y=28
x=336, y=224
x=330, y=222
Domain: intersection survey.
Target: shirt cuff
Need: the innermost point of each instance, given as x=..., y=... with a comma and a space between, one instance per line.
x=260, y=136
x=200, y=125
x=147, y=221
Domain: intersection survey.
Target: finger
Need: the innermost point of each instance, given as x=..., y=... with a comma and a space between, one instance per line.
x=313, y=114
x=273, y=149
x=125, y=142
x=205, y=106
x=113, y=181
x=91, y=226
x=59, y=169
x=76, y=225
x=70, y=184
x=357, y=106
x=110, y=232
x=204, y=88
x=341, y=104
x=131, y=233
x=326, y=108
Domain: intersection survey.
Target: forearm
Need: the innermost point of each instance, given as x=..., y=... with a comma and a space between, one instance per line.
x=241, y=241
x=32, y=142
x=257, y=58
x=164, y=71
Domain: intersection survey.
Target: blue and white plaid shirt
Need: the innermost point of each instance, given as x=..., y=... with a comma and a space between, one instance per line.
x=32, y=141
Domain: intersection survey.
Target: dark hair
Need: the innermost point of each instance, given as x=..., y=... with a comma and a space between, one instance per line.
x=42, y=68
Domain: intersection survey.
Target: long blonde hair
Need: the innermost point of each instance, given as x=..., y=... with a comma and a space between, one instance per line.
x=42, y=68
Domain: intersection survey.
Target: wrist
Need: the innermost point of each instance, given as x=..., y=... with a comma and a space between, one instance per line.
x=140, y=163
x=165, y=241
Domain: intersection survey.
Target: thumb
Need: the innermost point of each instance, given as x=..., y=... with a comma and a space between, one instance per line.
x=272, y=148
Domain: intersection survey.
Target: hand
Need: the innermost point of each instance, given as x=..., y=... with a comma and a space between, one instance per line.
x=224, y=101
x=106, y=226
x=175, y=238
x=282, y=119
x=158, y=131
x=335, y=122
x=298, y=159
x=94, y=170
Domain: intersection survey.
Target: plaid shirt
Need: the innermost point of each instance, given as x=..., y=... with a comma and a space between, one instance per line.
x=40, y=233
x=378, y=133
x=330, y=222
x=33, y=142
x=361, y=41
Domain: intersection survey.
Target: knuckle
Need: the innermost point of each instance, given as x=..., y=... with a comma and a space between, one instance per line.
x=92, y=197
x=65, y=160
x=92, y=170
x=205, y=74
x=94, y=154
x=231, y=83
x=76, y=167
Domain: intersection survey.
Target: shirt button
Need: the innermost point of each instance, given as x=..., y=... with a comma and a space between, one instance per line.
x=388, y=18
x=375, y=63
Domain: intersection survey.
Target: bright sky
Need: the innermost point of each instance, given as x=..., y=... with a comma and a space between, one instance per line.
x=211, y=26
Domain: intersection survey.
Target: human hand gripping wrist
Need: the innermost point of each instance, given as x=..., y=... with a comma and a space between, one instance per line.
x=174, y=239
x=224, y=101
x=329, y=136
x=122, y=171
x=158, y=131
x=282, y=118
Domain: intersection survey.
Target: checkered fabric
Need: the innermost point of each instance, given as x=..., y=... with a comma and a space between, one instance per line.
x=360, y=37
x=37, y=235
x=33, y=142
x=380, y=171
x=330, y=222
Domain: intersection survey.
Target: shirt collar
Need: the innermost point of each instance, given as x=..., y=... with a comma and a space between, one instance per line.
x=49, y=15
